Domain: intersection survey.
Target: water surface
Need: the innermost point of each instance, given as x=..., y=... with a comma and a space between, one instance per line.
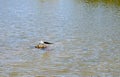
x=86, y=37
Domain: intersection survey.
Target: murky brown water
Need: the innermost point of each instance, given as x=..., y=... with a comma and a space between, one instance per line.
x=86, y=37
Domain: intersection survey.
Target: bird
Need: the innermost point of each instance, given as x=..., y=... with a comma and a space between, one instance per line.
x=42, y=45
x=44, y=42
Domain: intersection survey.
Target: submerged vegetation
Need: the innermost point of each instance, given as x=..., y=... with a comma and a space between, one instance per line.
x=105, y=2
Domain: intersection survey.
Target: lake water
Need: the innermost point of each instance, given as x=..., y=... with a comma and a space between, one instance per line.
x=86, y=37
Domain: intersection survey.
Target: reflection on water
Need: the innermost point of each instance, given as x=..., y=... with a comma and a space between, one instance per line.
x=85, y=36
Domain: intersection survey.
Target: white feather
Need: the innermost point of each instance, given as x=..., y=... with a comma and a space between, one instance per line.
x=41, y=42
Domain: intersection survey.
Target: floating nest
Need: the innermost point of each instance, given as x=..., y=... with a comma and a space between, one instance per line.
x=40, y=46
